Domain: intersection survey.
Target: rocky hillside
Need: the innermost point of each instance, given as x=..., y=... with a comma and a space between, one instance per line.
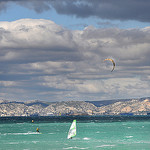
x=136, y=107
x=38, y=108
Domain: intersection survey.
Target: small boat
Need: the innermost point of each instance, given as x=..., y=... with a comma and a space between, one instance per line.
x=72, y=130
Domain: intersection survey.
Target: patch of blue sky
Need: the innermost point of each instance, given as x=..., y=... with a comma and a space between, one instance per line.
x=131, y=24
x=16, y=12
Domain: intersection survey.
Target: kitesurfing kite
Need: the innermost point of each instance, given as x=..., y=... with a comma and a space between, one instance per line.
x=112, y=62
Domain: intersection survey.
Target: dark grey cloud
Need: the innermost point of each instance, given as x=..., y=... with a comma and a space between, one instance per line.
x=105, y=9
x=116, y=9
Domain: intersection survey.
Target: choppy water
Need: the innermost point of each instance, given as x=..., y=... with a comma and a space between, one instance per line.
x=100, y=133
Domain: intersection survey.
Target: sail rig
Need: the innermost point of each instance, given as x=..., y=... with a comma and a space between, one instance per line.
x=72, y=130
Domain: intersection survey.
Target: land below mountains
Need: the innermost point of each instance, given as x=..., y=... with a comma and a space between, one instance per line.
x=108, y=107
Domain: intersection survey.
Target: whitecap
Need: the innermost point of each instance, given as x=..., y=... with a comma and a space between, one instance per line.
x=13, y=143
x=35, y=142
x=82, y=148
x=106, y=146
x=51, y=133
x=69, y=148
x=129, y=136
x=76, y=148
x=22, y=133
x=86, y=138
x=97, y=132
x=147, y=142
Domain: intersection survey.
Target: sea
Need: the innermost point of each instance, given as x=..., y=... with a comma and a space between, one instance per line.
x=93, y=133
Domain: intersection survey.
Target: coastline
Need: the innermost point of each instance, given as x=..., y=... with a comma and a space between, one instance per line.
x=100, y=119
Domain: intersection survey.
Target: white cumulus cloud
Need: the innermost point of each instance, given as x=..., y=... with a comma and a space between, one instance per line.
x=44, y=57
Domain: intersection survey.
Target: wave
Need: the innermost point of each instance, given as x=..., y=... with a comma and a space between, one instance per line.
x=145, y=142
x=106, y=146
x=76, y=148
x=21, y=133
x=51, y=133
x=130, y=136
x=13, y=143
x=22, y=142
x=86, y=138
x=129, y=127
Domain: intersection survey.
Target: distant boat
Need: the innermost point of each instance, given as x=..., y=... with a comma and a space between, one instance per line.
x=72, y=130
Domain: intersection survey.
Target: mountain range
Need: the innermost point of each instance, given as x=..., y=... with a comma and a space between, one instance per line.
x=107, y=107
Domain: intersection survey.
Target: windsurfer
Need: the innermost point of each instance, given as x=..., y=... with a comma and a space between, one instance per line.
x=37, y=130
x=72, y=130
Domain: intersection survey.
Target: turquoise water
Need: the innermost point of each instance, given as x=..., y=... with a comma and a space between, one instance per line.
x=94, y=133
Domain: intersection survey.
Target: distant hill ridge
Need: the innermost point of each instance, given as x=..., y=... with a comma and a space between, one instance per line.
x=46, y=103
x=108, y=102
x=108, y=107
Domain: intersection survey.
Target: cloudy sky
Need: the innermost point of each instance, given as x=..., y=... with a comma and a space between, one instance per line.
x=54, y=50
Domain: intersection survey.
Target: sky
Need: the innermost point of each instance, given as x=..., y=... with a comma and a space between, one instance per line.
x=54, y=50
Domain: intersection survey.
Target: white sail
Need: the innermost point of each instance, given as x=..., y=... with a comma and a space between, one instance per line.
x=72, y=130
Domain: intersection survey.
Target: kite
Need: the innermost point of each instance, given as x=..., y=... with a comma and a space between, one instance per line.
x=112, y=62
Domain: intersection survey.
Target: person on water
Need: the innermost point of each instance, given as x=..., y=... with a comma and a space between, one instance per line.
x=37, y=130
